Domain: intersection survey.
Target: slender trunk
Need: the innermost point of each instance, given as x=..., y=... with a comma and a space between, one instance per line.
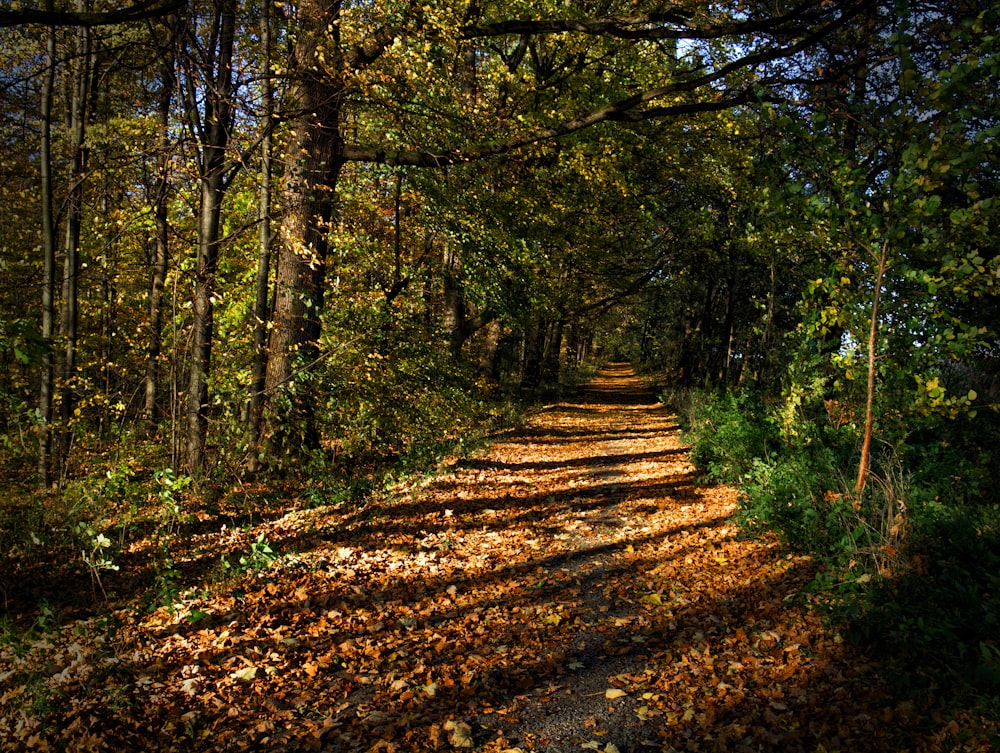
x=261, y=309
x=865, y=462
x=217, y=118
x=729, y=327
x=69, y=325
x=453, y=314
x=159, y=260
x=109, y=294
x=48, y=229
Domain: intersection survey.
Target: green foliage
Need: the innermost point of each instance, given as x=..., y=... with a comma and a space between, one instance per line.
x=732, y=434
x=912, y=565
x=170, y=487
x=96, y=554
x=166, y=578
x=258, y=557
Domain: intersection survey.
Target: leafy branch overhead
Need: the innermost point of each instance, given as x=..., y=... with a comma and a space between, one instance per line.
x=790, y=35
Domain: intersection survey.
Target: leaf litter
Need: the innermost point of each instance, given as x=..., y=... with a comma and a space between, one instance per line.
x=571, y=588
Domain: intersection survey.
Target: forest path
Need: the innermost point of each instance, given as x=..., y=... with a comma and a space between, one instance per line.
x=570, y=588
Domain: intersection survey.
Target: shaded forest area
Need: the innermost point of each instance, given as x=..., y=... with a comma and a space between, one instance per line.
x=260, y=259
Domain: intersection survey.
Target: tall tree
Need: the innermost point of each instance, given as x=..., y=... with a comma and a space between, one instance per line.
x=261, y=306
x=82, y=73
x=313, y=162
x=210, y=111
x=48, y=232
x=159, y=256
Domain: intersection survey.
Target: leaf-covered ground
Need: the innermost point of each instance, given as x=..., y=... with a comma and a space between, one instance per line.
x=571, y=588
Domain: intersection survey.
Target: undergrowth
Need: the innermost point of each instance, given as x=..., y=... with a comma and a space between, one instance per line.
x=65, y=547
x=911, y=566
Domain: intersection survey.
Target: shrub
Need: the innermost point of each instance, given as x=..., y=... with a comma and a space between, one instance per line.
x=731, y=434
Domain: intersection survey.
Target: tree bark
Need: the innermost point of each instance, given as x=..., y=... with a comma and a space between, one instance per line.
x=160, y=257
x=261, y=308
x=70, y=319
x=215, y=138
x=488, y=367
x=46, y=381
x=312, y=167
x=453, y=313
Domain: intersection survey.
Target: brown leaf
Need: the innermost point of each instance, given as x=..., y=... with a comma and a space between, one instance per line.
x=459, y=734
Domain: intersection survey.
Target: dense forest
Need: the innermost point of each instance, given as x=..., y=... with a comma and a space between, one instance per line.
x=259, y=256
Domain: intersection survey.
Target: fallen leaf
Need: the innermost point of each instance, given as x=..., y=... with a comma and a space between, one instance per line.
x=459, y=734
x=246, y=674
x=612, y=693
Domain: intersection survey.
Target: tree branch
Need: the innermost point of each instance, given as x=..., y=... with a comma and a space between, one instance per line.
x=630, y=109
x=137, y=12
x=652, y=26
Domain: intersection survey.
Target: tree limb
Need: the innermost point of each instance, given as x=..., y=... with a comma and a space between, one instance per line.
x=137, y=12
x=665, y=25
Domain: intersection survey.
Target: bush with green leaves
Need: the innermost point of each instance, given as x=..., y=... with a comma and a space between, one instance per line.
x=732, y=433
x=259, y=556
x=910, y=566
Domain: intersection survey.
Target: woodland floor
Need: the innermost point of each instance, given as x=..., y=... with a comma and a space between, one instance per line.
x=570, y=588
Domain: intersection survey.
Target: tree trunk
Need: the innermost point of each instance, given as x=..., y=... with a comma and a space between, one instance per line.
x=453, y=314
x=488, y=368
x=159, y=259
x=532, y=354
x=217, y=119
x=48, y=230
x=261, y=306
x=551, y=358
x=109, y=315
x=864, y=463
x=70, y=319
x=312, y=168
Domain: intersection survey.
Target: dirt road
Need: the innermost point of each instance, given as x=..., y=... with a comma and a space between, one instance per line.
x=570, y=588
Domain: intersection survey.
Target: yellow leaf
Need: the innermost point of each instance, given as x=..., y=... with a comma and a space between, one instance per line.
x=612, y=693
